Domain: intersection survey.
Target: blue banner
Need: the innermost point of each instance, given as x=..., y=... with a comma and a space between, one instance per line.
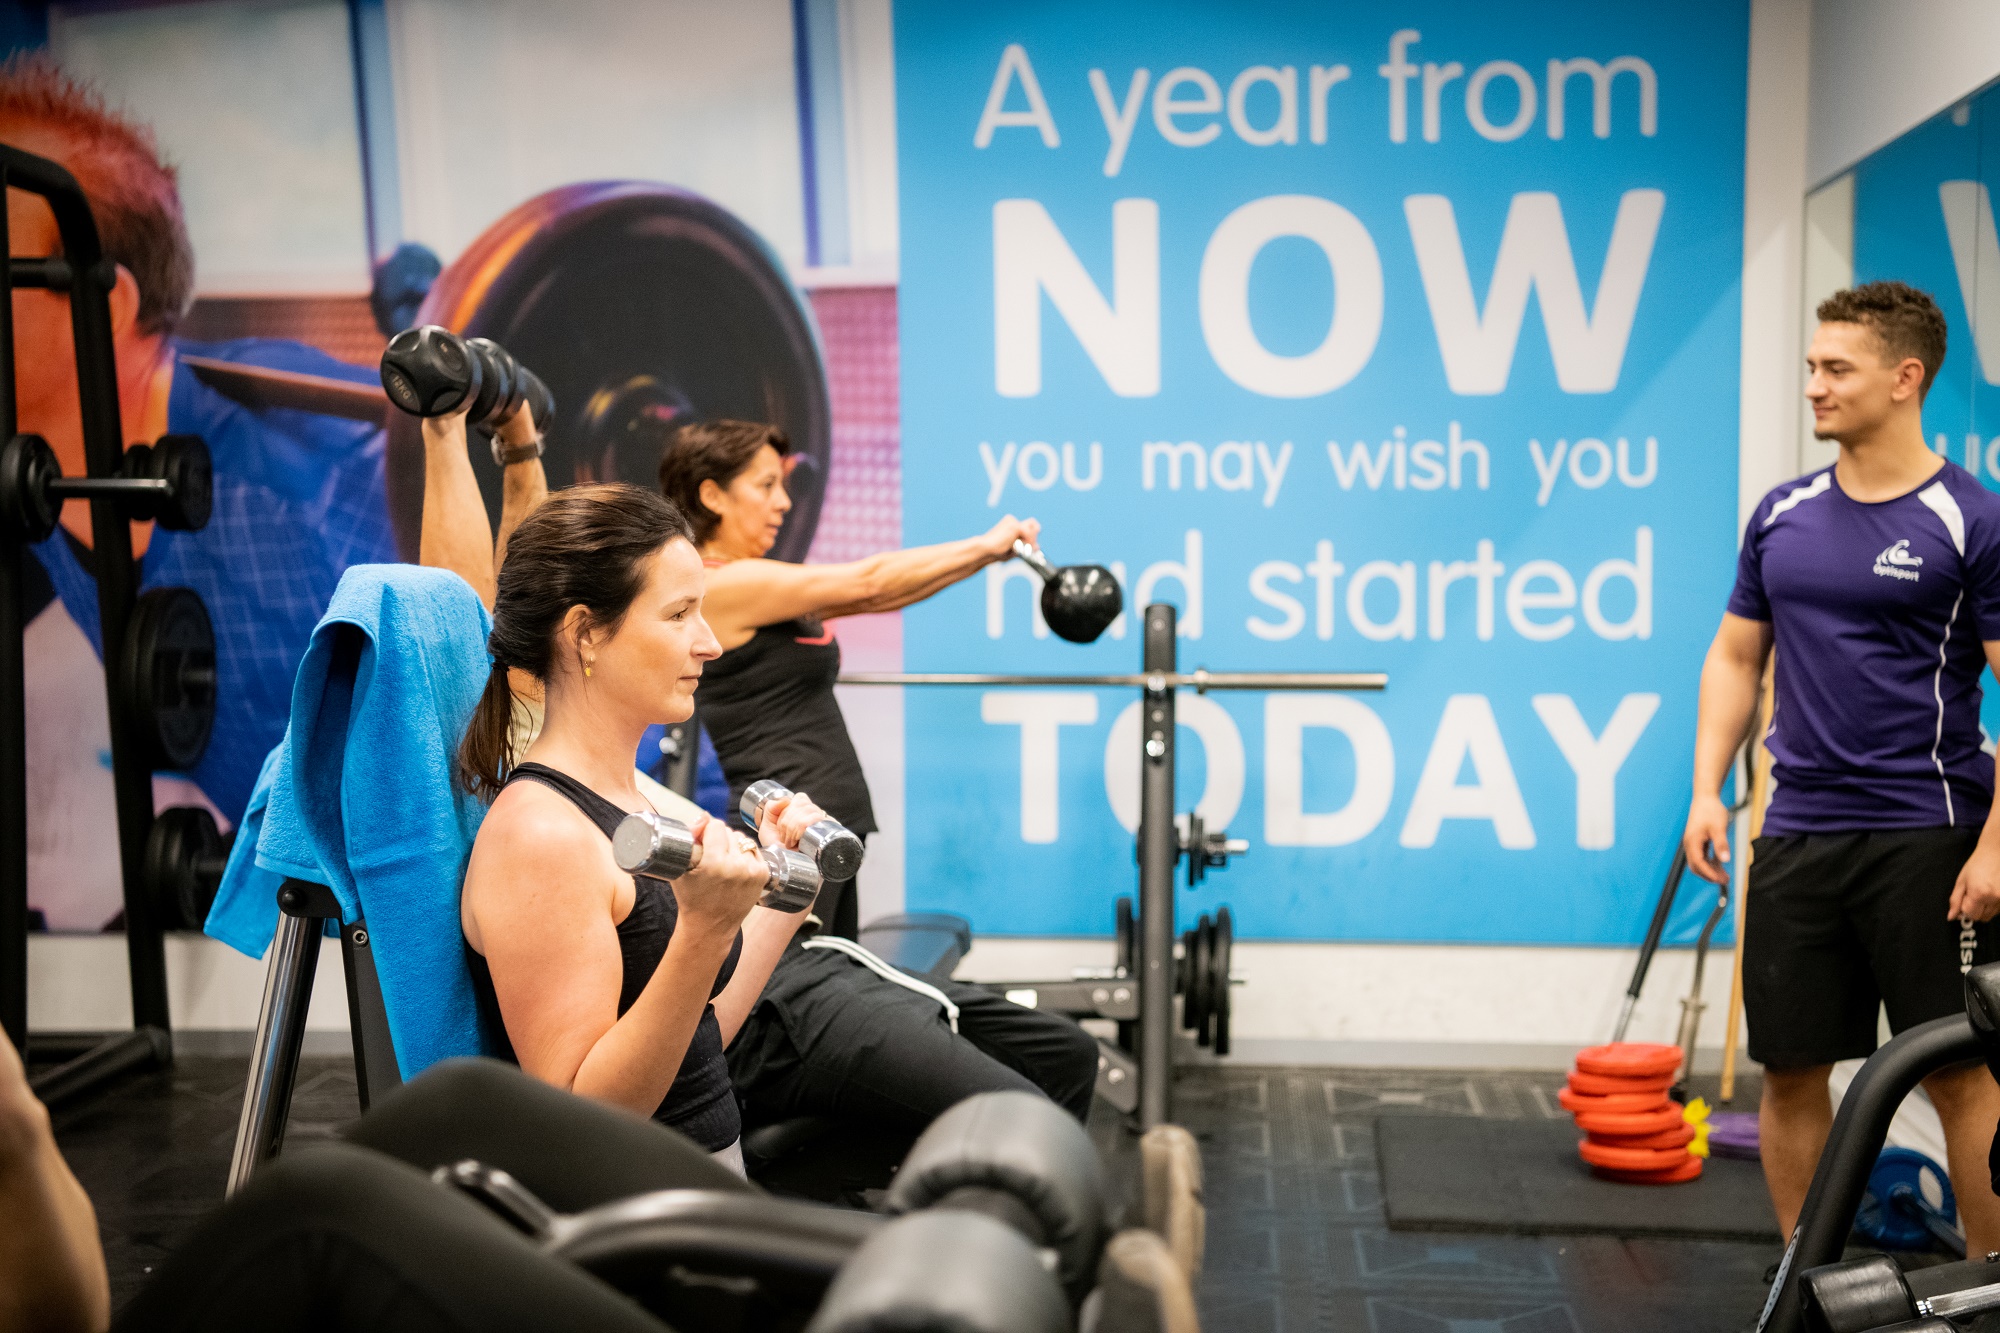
x=1401, y=340
x=1923, y=214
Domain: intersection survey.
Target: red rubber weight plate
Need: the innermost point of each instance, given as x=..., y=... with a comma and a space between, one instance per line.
x=1666, y=1138
x=1602, y=1085
x=1631, y=1159
x=1578, y=1103
x=1636, y=1122
x=1629, y=1059
x=1689, y=1170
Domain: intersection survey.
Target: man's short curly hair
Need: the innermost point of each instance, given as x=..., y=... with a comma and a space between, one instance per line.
x=1904, y=320
x=132, y=190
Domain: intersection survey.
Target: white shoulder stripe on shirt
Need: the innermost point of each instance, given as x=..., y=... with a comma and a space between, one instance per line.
x=1939, y=501
x=1799, y=495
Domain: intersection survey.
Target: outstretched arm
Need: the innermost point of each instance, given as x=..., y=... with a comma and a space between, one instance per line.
x=744, y=595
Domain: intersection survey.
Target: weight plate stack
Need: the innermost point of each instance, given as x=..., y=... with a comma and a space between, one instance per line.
x=166, y=677
x=182, y=461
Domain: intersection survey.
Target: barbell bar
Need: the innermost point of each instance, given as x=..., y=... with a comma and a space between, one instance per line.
x=1201, y=682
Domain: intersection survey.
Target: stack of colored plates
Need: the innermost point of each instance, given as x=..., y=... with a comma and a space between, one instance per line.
x=1633, y=1131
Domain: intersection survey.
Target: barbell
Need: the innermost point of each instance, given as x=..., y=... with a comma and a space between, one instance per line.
x=640, y=306
x=1198, y=680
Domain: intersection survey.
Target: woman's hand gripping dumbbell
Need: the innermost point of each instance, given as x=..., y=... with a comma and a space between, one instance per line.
x=834, y=849
x=661, y=848
x=432, y=372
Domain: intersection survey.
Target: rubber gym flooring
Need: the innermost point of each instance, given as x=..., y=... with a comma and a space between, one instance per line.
x=1296, y=1239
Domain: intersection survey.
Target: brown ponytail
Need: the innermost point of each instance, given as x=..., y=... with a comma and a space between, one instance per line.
x=586, y=546
x=486, y=755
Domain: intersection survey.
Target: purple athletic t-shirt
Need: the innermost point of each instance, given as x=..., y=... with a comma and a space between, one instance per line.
x=1879, y=611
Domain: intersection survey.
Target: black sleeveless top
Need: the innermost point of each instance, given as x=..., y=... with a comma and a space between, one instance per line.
x=770, y=710
x=702, y=1102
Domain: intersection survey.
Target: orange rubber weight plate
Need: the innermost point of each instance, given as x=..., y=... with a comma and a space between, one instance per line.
x=1601, y=1085
x=1579, y=1103
x=1631, y=1159
x=1666, y=1138
x=1629, y=1059
x=1634, y=1122
x=1690, y=1170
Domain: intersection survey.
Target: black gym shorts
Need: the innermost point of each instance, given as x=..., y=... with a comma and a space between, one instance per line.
x=1841, y=923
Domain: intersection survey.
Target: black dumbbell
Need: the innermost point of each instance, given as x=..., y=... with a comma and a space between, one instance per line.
x=428, y=372
x=432, y=372
x=171, y=483
x=834, y=849
x=1079, y=602
x=661, y=848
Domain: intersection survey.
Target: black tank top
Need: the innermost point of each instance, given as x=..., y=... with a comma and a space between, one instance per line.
x=770, y=710
x=702, y=1102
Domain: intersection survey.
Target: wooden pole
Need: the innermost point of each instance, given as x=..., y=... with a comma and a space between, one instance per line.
x=1760, y=796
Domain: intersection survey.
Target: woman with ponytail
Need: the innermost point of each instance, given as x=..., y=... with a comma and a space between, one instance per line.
x=605, y=983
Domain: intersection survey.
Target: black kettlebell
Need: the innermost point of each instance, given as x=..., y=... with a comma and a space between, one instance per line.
x=1079, y=602
x=430, y=372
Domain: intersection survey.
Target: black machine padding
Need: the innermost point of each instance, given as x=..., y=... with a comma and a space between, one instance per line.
x=944, y=1272
x=1024, y=1145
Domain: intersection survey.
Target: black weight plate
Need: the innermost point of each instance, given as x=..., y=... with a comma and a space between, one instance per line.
x=182, y=461
x=183, y=851
x=1201, y=998
x=1122, y=936
x=1219, y=964
x=27, y=466
x=597, y=287
x=166, y=677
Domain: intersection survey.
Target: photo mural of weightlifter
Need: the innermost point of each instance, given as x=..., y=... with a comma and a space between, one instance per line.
x=685, y=312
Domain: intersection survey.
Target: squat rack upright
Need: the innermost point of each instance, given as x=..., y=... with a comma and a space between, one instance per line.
x=88, y=275
x=1159, y=840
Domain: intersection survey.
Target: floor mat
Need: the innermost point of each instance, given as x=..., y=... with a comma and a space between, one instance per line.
x=1442, y=1173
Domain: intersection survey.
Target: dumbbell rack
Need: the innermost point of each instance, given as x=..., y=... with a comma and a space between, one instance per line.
x=1160, y=843
x=88, y=276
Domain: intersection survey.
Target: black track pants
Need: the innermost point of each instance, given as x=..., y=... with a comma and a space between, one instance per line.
x=831, y=1038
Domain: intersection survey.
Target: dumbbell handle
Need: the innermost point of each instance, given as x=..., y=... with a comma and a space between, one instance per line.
x=661, y=848
x=1035, y=560
x=832, y=846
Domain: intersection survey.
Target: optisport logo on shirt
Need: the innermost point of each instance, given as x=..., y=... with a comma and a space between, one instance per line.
x=1898, y=563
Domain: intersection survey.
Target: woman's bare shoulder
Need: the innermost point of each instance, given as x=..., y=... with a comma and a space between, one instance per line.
x=534, y=836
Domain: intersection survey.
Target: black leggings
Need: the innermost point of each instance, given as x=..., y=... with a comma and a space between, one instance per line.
x=354, y=1235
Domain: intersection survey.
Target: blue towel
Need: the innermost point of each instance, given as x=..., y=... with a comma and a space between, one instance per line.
x=359, y=797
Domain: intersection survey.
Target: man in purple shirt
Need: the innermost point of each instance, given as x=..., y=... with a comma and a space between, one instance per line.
x=1878, y=579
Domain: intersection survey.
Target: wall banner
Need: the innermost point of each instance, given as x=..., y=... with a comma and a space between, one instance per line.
x=1394, y=339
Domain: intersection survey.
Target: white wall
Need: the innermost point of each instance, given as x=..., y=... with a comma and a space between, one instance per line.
x=1880, y=67
x=498, y=100
x=254, y=103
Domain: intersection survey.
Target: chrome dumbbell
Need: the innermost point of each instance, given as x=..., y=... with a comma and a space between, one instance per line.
x=662, y=848
x=834, y=849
